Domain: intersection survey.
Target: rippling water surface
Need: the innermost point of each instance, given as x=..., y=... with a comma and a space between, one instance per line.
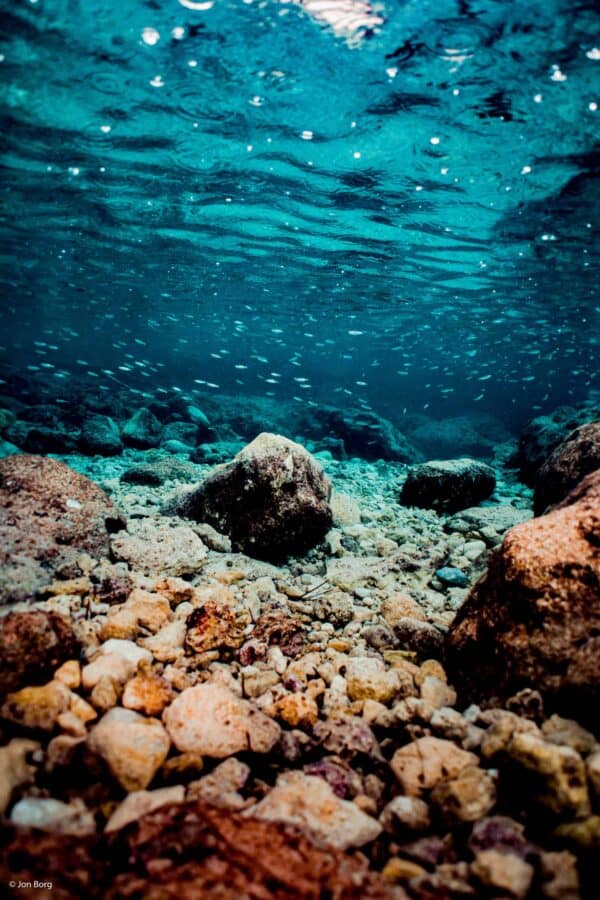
x=232, y=193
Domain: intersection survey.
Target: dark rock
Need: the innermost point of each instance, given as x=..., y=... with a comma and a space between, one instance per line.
x=156, y=473
x=100, y=435
x=33, y=645
x=500, y=833
x=219, y=452
x=274, y=628
x=362, y=432
x=184, y=432
x=42, y=438
x=452, y=577
x=543, y=435
x=454, y=437
x=422, y=638
x=142, y=430
x=49, y=515
x=341, y=778
x=534, y=619
x=571, y=461
x=272, y=500
x=192, y=851
x=448, y=485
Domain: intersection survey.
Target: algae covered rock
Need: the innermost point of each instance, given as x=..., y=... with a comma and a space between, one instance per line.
x=272, y=499
x=534, y=619
x=448, y=485
x=49, y=515
x=32, y=645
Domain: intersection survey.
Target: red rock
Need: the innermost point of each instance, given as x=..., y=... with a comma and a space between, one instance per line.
x=534, y=619
x=33, y=645
x=571, y=461
x=49, y=515
x=191, y=851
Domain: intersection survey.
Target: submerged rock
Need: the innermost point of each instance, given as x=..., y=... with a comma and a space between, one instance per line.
x=362, y=433
x=49, y=514
x=571, y=461
x=132, y=746
x=534, y=619
x=544, y=434
x=142, y=430
x=272, y=499
x=164, y=547
x=448, y=485
x=101, y=435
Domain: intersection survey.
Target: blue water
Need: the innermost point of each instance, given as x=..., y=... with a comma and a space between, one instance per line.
x=238, y=199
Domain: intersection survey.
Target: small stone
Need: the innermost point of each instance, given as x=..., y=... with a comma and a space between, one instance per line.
x=397, y=869
x=559, y=875
x=466, y=798
x=405, y=814
x=211, y=720
x=166, y=547
x=37, y=707
x=421, y=765
x=221, y=787
x=147, y=693
x=70, y=674
x=559, y=775
x=297, y=710
x=15, y=770
x=213, y=626
x=48, y=814
x=167, y=644
x=452, y=577
x=32, y=645
x=133, y=747
x=567, y=732
x=584, y=834
x=105, y=694
x=309, y=803
x=503, y=872
x=139, y=803
x=367, y=679
x=69, y=722
x=398, y=606
x=437, y=692
x=422, y=638
x=117, y=658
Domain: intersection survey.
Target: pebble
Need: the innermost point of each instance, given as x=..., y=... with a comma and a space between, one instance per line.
x=503, y=873
x=419, y=766
x=139, y=803
x=52, y=815
x=15, y=768
x=133, y=747
x=37, y=707
x=309, y=803
x=211, y=720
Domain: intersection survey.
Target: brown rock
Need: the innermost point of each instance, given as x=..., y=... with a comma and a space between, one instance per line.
x=285, y=632
x=37, y=707
x=213, y=627
x=567, y=465
x=503, y=872
x=533, y=619
x=420, y=765
x=49, y=515
x=32, y=645
x=272, y=499
x=556, y=775
x=466, y=798
x=203, y=852
x=148, y=693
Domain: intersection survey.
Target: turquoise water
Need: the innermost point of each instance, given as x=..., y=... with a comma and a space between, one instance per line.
x=236, y=198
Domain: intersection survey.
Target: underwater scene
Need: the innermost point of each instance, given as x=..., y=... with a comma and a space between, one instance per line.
x=300, y=449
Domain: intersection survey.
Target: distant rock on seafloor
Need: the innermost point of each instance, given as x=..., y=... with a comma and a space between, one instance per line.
x=448, y=485
x=272, y=499
x=571, y=461
x=49, y=515
x=534, y=619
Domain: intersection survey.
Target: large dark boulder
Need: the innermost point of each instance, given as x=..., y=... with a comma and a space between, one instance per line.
x=100, y=435
x=143, y=430
x=544, y=434
x=272, y=499
x=571, y=461
x=456, y=436
x=534, y=619
x=448, y=485
x=49, y=515
x=363, y=432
